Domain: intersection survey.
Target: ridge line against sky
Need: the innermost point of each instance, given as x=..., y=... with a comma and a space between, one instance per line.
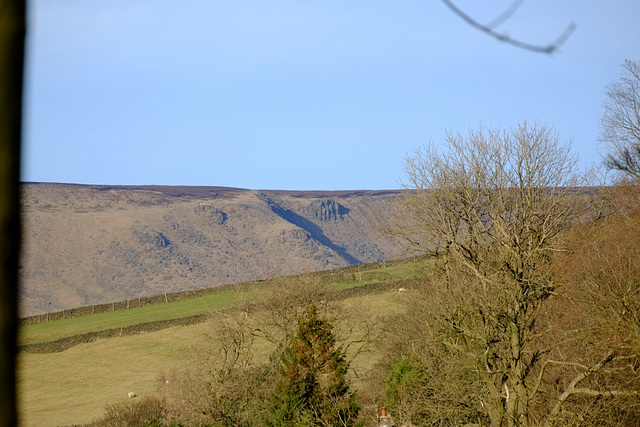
x=288, y=95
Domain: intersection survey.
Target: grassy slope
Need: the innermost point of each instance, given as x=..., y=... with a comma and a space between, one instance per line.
x=49, y=331
x=73, y=386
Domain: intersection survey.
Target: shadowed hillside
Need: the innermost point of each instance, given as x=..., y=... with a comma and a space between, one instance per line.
x=86, y=244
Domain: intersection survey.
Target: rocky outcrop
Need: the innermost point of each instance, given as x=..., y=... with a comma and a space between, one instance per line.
x=152, y=238
x=211, y=212
x=326, y=210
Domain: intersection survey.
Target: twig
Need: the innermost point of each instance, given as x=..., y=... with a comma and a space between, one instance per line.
x=489, y=29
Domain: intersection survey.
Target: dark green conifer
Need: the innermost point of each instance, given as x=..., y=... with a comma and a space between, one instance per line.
x=313, y=389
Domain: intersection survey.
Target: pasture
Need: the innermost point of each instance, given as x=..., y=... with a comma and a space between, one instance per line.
x=73, y=386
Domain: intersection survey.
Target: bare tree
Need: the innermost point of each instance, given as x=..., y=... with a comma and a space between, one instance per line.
x=226, y=381
x=620, y=122
x=491, y=28
x=493, y=204
x=512, y=189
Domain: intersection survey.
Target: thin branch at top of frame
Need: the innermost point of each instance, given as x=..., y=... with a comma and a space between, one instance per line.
x=490, y=29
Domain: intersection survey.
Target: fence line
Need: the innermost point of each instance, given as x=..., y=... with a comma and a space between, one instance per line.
x=166, y=298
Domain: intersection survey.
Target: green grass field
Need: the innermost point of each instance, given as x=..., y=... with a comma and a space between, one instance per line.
x=73, y=386
x=50, y=331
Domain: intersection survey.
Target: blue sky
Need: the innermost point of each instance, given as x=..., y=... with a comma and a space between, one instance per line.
x=299, y=95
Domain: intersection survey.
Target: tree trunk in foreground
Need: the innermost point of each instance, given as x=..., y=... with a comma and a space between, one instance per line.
x=12, y=32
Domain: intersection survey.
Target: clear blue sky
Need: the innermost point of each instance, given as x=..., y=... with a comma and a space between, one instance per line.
x=299, y=95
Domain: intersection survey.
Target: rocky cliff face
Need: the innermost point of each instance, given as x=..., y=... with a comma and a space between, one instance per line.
x=93, y=244
x=326, y=210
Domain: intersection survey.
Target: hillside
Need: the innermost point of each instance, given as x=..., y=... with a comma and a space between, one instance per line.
x=87, y=244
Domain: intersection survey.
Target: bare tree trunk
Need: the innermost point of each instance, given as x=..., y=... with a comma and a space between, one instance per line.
x=12, y=32
x=518, y=402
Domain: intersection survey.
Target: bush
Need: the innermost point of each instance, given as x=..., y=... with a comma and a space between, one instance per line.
x=407, y=379
x=147, y=412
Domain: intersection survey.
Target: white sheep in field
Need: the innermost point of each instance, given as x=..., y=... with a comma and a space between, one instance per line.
x=132, y=395
x=402, y=290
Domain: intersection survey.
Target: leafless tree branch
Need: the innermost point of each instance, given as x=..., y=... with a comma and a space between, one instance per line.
x=489, y=29
x=506, y=14
x=620, y=122
x=572, y=389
